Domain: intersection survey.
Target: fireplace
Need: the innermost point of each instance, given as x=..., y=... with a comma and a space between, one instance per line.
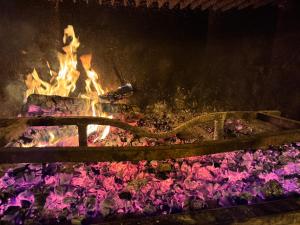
x=124, y=112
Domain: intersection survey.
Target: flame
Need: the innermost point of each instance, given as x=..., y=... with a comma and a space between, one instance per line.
x=63, y=82
x=93, y=89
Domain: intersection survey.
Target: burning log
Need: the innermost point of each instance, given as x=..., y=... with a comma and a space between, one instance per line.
x=122, y=92
x=38, y=105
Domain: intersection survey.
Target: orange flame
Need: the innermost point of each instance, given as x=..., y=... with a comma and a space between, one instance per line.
x=63, y=83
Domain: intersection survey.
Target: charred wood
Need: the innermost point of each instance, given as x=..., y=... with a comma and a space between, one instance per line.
x=47, y=105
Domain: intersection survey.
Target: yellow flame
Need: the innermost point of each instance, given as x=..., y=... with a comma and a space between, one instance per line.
x=63, y=82
x=93, y=89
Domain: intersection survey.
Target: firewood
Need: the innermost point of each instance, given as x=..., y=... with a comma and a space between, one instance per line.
x=49, y=105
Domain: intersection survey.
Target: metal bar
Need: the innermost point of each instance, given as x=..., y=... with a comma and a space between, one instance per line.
x=279, y=121
x=82, y=135
x=97, y=154
x=75, y=120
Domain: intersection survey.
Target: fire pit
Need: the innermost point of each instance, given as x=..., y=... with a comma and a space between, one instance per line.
x=79, y=151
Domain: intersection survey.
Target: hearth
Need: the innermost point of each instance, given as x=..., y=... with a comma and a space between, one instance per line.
x=131, y=112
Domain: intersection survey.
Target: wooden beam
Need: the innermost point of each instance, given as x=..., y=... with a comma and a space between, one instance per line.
x=279, y=121
x=98, y=154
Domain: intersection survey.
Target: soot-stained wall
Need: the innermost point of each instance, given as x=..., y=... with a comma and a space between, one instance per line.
x=238, y=60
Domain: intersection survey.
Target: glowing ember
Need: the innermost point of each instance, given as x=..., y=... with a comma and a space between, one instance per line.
x=63, y=82
x=95, y=190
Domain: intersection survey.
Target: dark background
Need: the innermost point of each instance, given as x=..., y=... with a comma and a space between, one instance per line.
x=237, y=60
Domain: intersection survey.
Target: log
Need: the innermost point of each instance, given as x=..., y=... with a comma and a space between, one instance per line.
x=52, y=104
x=98, y=154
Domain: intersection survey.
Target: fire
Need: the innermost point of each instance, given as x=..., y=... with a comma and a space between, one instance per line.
x=63, y=82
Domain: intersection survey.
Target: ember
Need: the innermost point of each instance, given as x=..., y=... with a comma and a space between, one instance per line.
x=82, y=153
x=78, y=191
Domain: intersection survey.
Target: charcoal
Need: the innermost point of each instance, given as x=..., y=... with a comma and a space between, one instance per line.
x=95, y=171
x=196, y=204
x=12, y=210
x=212, y=203
x=165, y=167
x=25, y=203
x=19, y=171
x=149, y=209
x=150, y=170
x=125, y=195
x=162, y=176
x=118, y=180
x=90, y=202
x=50, y=169
x=272, y=189
x=107, y=206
